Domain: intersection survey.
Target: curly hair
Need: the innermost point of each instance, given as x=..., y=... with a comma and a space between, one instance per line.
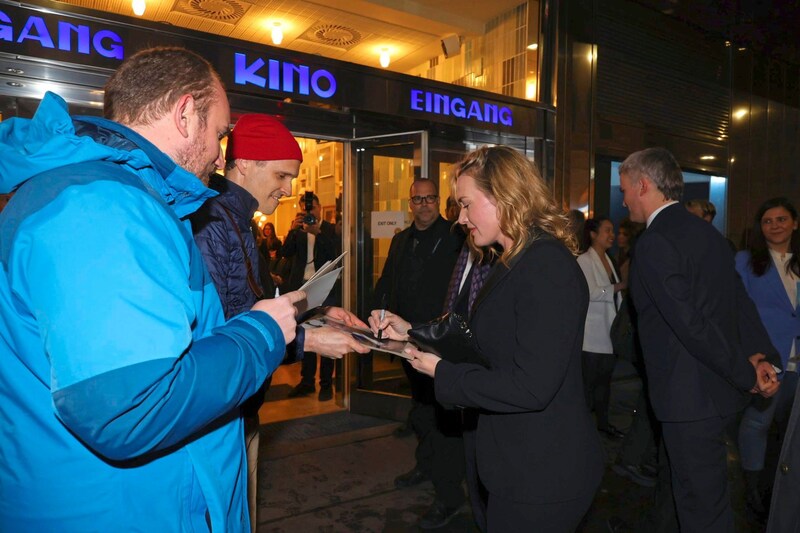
x=524, y=201
x=149, y=82
x=760, y=259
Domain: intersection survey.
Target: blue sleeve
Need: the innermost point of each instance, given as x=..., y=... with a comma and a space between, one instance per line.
x=119, y=296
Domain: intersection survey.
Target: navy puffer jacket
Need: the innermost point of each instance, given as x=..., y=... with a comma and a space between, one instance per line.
x=221, y=246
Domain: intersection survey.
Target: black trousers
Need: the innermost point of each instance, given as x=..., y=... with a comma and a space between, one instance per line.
x=440, y=447
x=597, y=369
x=309, y=369
x=698, y=463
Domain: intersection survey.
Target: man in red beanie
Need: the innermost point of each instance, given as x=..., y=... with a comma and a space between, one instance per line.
x=261, y=160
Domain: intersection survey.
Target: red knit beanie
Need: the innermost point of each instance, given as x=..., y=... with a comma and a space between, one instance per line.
x=261, y=138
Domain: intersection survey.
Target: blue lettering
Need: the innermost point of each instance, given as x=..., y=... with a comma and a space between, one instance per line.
x=319, y=91
x=288, y=78
x=244, y=74
x=115, y=50
x=274, y=75
x=284, y=76
x=6, y=32
x=71, y=37
x=65, y=30
x=416, y=100
x=506, y=118
x=42, y=35
x=490, y=113
x=443, y=104
x=475, y=111
x=458, y=108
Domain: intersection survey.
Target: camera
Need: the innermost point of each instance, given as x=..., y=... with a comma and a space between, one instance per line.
x=308, y=205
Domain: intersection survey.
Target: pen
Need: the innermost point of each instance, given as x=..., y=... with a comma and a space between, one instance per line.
x=383, y=314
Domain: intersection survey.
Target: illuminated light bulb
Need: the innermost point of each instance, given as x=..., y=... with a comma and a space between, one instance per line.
x=277, y=33
x=384, y=57
x=138, y=7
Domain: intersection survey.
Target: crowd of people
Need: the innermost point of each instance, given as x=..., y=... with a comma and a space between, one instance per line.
x=135, y=348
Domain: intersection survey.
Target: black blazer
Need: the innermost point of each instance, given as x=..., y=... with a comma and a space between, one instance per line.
x=296, y=248
x=536, y=441
x=435, y=277
x=696, y=323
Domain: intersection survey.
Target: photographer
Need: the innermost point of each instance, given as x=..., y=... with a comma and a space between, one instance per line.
x=310, y=243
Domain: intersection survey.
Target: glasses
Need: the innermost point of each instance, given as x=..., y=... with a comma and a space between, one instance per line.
x=431, y=198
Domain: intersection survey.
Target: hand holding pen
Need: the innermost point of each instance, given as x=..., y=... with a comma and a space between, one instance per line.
x=394, y=326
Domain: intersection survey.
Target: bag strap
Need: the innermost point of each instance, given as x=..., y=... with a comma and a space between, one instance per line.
x=251, y=280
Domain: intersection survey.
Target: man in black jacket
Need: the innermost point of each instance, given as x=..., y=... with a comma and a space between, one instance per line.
x=309, y=246
x=414, y=284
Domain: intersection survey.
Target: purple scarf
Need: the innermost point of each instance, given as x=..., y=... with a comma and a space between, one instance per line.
x=479, y=274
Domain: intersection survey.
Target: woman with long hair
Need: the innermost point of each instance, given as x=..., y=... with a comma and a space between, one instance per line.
x=270, y=244
x=605, y=297
x=538, y=454
x=770, y=270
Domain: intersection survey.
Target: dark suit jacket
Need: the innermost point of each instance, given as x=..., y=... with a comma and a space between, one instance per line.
x=296, y=248
x=696, y=324
x=435, y=276
x=536, y=441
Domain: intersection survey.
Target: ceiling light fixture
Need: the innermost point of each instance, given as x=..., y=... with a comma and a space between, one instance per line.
x=385, y=59
x=138, y=7
x=277, y=33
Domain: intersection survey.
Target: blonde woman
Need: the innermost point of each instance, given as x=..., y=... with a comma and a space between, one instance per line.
x=538, y=454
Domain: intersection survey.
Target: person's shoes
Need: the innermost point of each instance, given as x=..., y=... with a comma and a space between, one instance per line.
x=438, y=515
x=413, y=477
x=301, y=389
x=616, y=524
x=635, y=474
x=325, y=393
x=612, y=432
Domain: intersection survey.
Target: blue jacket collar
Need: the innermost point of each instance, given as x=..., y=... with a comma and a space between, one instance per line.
x=183, y=191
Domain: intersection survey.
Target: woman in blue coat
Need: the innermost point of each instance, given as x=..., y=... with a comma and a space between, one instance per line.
x=770, y=270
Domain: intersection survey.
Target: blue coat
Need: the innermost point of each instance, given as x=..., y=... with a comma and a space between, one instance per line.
x=779, y=315
x=120, y=380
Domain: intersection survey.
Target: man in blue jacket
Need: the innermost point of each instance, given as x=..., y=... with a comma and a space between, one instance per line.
x=261, y=159
x=120, y=379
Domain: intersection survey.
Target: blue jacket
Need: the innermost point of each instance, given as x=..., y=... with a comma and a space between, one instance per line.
x=120, y=380
x=779, y=315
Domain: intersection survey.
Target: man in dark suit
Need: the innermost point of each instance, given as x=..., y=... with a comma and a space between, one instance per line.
x=702, y=339
x=309, y=246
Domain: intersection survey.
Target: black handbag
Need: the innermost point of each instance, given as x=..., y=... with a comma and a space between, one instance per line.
x=450, y=338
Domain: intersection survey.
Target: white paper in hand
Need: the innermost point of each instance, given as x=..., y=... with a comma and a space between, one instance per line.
x=317, y=290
